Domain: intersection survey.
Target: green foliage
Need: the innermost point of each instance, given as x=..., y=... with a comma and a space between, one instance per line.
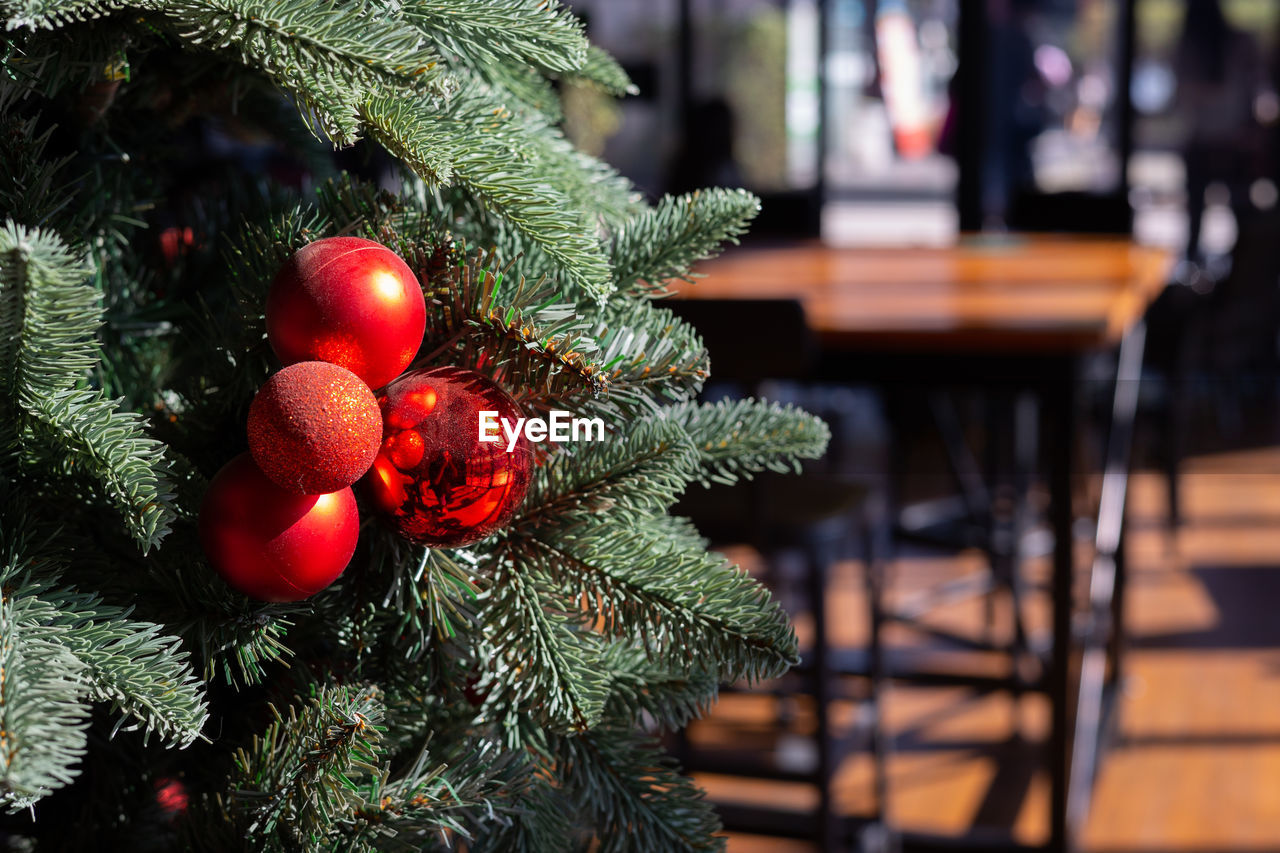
x=309, y=46
x=42, y=723
x=601, y=70
x=630, y=476
x=663, y=243
x=490, y=32
x=299, y=773
x=630, y=792
x=49, y=14
x=651, y=357
x=645, y=691
x=473, y=141
x=683, y=605
x=738, y=438
x=31, y=186
x=538, y=636
x=594, y=528
x=65, y=650
x=523, y=329
x=133, y=665
x=318, y=779
x=47, y=319
x=496, y=697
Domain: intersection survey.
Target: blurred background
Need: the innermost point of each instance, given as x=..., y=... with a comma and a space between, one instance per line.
x=1024, y=257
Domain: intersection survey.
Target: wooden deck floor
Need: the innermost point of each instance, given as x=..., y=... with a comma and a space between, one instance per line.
x=1196, y=766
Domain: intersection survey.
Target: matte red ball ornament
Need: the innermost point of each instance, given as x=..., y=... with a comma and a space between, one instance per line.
x=314, y=428
x=434, y=481
x=271, y=544
x=350, y=302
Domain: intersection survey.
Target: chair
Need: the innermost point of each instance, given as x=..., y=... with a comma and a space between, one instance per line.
x=819, y=515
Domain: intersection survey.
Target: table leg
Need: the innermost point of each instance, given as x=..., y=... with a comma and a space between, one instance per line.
x=1106, y=582
x=1116, y=641
x=817, y=558
x=1059, y=430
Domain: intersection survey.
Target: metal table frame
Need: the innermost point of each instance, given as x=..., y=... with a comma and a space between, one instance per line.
x=1082, y=696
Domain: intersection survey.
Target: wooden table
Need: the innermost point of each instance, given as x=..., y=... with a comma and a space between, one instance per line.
x=1013, y=311
x=1002, y=294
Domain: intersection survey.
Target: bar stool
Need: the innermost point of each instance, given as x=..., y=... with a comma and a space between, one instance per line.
x=820, y=515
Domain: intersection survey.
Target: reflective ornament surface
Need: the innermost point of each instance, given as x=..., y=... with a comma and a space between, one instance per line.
x=433, y=480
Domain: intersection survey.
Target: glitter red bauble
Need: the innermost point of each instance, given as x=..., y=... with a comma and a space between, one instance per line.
x=350, y=302
x=271, y=544
x=314, y=428
x=434, y=480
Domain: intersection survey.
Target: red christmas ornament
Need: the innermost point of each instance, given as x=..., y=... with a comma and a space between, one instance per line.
x=433, y=479
x=314, y=428
x=171, y=796
x=350, y=302
x=271, y=544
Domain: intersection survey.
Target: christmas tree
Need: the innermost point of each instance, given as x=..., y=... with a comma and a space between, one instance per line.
x=162, y=162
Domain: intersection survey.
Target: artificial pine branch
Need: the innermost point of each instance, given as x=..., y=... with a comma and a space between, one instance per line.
x=432, y=592
x=644, y=692
x=491, y=31
x=47, y=319
x=470, y=142
x=664, y=242
x=631, y=475
x=141, y=671
x=49, y=315
x=296, y=779
x=527, y=333
x=533, y=634
x=430, y=799
x=685, y=607
x=310, y=47
x=82, y=435
x=546, y=824
x=651, y=356
x=33, y=186
x=52, y=14
x=42, y=723
x=604, y=73
x=531, y=658
x=738, y=438
x=632, y=795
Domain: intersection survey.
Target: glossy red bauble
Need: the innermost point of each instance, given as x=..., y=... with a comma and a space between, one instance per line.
x=350, y=302
x=433, y=480
x=314, y=428
x=271, y=544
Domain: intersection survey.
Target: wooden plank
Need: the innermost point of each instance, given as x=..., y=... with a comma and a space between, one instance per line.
x=1020, y=294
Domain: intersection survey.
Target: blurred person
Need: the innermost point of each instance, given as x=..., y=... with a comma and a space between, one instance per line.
x=1016, y=113
x=1220, y=72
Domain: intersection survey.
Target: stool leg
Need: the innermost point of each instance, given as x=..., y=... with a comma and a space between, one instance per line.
x=874, y=573
x=816, y=556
